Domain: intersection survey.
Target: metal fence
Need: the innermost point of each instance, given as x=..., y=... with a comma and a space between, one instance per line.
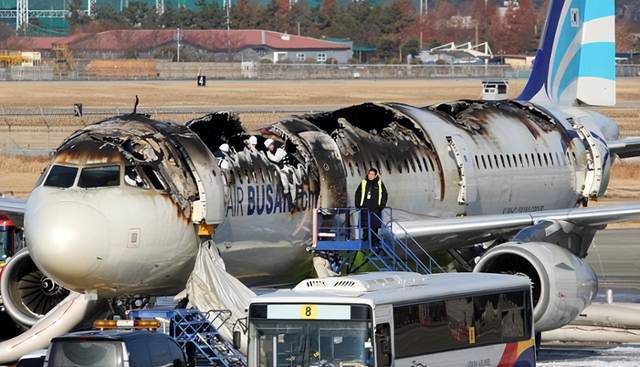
x=627, y=70
x=37, y=131
x=268, y=71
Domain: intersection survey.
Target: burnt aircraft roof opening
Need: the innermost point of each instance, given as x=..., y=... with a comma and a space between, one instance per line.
x=218, y=128
x=370, y=117
x=472, y=114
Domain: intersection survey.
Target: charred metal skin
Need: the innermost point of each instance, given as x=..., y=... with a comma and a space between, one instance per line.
x=461, y=158
x=115, y=234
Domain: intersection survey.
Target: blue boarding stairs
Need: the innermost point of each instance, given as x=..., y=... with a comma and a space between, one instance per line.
x=346, y=237
x=195, y=333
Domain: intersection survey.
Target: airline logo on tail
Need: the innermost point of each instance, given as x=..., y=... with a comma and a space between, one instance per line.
x=575, y=63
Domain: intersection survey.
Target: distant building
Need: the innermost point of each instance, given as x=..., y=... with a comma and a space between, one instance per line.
x=519, y=61
x=195, y=45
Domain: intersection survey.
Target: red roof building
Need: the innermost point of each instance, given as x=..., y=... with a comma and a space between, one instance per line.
x=196, y=45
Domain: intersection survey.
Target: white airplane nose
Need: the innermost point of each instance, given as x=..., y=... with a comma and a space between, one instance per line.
x=67, y=241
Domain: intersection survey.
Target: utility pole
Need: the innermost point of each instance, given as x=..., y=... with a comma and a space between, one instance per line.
x=22, y=14
x=160, y=7
x=477, y=40
x=91, y=7
x=424, y=8
x=178, y=36
x=227, y=5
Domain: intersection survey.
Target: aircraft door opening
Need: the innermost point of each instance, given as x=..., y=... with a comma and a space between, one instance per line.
x=210, y=207
x=594, y=185
x=466, y=171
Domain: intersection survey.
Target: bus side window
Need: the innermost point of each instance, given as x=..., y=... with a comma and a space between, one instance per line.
x=383, y=345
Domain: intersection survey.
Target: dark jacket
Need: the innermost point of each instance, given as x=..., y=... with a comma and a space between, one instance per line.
x=372, y=199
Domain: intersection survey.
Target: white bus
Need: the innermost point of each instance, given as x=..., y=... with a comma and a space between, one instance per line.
x=395, y=319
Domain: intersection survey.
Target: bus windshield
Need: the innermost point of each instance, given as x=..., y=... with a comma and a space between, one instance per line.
x=312, y=343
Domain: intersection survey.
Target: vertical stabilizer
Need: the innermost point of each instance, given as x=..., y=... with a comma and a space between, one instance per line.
x=575, y=63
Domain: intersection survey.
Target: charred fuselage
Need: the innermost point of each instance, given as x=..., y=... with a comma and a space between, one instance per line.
x=138, y=233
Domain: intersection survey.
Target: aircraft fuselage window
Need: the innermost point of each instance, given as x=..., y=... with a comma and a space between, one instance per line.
x=418, y=164
x=509, y=160
x=484, y=163
x=61, y=176
x=101, y=176
x=477, y=163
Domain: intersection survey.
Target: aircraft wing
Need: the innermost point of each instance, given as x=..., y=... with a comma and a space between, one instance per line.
x=625, y=148
x=14, y=208
x=464, y=231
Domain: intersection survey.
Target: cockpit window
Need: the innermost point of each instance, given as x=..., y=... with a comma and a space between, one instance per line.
x=133, y=178
x=101, y=176
x=61, y=176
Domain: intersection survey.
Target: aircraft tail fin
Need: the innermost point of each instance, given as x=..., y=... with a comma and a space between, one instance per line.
x=575, y=63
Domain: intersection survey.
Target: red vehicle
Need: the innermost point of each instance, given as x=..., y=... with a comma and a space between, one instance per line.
x=8, y=242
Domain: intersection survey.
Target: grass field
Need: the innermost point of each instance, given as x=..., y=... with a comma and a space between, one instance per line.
x=238, y=93
x=17, y=174
x=255, y=93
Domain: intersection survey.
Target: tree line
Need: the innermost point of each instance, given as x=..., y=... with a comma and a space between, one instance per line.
x=394, y=28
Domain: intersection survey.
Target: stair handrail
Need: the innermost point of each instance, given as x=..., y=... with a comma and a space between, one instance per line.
x=401, y=260
x=197, y=329
x=407, y=237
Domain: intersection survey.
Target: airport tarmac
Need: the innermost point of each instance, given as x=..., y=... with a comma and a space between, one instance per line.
x=622, y=356
x=615, y=257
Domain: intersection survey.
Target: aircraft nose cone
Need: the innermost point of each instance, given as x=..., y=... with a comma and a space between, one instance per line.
x=67, y=241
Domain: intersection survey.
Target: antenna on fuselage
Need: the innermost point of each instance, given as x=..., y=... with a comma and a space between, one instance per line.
x=135, y=106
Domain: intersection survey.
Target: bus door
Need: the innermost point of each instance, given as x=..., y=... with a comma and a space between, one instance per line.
x=382, y=336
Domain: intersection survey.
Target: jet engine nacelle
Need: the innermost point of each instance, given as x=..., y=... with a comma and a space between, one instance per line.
x=563, y=284
x=27, y=293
